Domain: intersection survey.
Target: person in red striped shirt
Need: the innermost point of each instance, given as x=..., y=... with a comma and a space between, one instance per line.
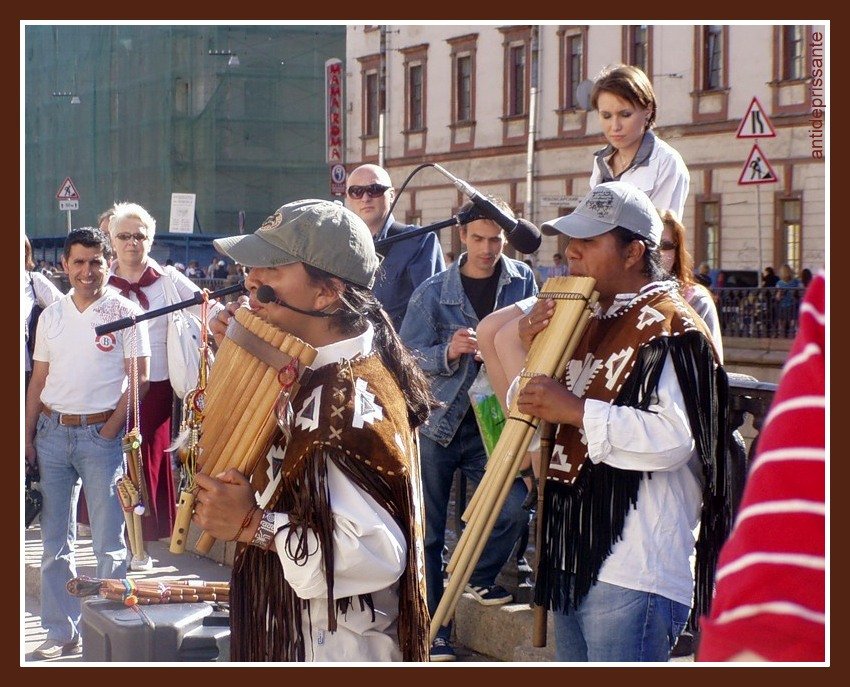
x=770, y=593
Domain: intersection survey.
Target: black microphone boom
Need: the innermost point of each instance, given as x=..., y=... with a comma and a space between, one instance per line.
x=197, y=299
x=521, y=233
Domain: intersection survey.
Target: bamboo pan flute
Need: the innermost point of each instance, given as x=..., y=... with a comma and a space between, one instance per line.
x=550, y=351
x=239, y=421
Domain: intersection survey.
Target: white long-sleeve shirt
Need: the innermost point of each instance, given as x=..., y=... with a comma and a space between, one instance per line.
x=370, y=555
x=654, y=554
x=657, y=545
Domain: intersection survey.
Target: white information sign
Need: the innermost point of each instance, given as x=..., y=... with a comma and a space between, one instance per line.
x=182, y=213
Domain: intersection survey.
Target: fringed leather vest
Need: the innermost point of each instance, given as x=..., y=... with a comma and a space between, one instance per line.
x=355, y=415
x=620, y=360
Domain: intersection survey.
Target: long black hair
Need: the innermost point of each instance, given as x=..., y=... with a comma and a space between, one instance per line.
x=651, y=256
x=362, y=307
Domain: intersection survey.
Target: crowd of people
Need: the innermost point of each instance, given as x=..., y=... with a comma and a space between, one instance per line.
x=340, y=554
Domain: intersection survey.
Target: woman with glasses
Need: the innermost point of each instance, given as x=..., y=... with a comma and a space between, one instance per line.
x=676, y=259
x=137, y=276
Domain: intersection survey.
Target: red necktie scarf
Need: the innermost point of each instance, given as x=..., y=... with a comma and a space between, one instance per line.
x=149, y=276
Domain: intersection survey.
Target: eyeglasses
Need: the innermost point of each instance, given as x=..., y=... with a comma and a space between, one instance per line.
x=374, y=190
x=669, y=245
x=127, y=237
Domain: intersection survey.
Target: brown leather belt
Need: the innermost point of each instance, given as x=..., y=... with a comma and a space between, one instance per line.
x=76, y=420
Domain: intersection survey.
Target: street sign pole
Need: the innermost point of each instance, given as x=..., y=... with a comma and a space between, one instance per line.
x=758, y=225
x=69, y=198
x=756, y=124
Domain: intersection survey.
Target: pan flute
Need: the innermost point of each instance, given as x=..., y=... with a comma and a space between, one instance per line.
x=254, y=364
x=550, y=351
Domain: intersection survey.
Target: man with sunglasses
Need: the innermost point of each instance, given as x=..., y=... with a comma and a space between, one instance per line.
x=406, y=263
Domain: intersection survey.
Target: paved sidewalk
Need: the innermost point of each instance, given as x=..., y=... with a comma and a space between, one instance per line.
x=484, y=634
x=167, y=566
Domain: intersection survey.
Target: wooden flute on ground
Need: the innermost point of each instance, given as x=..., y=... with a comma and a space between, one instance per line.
x=131, y=592
x=550, y=351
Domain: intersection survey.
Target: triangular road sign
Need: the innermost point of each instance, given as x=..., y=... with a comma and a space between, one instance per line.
x=67, y=191
x=757, y=169
x=756, y=123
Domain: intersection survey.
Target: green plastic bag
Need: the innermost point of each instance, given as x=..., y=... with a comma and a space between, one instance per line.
x=487, y=409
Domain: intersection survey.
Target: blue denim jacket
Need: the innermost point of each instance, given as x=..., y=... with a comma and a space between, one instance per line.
x=407, y=264
x=437, y=308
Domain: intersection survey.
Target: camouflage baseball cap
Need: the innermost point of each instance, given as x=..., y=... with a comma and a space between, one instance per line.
x=320, y=233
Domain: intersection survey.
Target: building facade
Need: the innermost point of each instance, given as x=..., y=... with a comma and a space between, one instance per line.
x=502, y=107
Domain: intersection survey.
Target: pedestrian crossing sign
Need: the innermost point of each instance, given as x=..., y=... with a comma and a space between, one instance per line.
x=757, y=169
x=67, y=191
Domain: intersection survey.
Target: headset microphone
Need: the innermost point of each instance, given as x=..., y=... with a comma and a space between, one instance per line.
x=266, y=294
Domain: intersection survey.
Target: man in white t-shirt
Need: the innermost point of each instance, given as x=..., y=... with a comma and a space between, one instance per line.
x=76, y=408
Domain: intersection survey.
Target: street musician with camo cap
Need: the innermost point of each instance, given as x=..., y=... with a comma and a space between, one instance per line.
x=330, y=567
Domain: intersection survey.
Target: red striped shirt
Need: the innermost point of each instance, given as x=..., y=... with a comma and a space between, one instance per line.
x=770, y=586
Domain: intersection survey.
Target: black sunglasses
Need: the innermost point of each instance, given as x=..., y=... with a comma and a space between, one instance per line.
x=668, y=245
x=374, y=190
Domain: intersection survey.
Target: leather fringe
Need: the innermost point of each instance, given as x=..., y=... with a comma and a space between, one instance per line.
x=260, y=591
x=583, y=521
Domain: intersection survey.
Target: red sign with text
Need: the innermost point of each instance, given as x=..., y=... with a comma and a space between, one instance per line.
x=333, y=109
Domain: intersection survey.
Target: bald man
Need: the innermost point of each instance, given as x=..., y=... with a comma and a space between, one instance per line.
x=406, y=263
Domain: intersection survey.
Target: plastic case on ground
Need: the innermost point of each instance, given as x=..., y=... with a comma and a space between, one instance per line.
x=182, y=632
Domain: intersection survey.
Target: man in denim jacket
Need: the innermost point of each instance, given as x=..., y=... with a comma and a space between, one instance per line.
x=439, y=328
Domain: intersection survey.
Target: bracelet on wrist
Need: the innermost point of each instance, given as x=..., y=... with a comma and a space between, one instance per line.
x=246, y=521
x=264, y=536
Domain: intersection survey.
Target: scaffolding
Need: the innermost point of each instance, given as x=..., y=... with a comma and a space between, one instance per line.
x=165, y=109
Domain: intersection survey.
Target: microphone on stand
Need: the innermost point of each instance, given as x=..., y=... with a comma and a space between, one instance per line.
x=521, y=233
x=266, y=294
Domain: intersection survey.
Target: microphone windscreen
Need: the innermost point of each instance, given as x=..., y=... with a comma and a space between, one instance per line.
x=524, y=237
x=266, y=294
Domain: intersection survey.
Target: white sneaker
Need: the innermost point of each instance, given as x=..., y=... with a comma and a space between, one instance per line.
x=53, y=649
x=141, y=564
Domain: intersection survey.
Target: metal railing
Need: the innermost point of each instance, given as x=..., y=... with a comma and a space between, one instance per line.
x=769, y=313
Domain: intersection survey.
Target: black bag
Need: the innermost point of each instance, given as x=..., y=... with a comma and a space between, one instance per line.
x=35, y=313
x=32, y=495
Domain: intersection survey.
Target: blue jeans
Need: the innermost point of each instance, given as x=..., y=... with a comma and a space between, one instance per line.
x=67, y=455
x=618, y=624
x=465, y=452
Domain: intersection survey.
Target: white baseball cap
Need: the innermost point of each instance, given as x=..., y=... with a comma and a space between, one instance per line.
x=609, y=205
